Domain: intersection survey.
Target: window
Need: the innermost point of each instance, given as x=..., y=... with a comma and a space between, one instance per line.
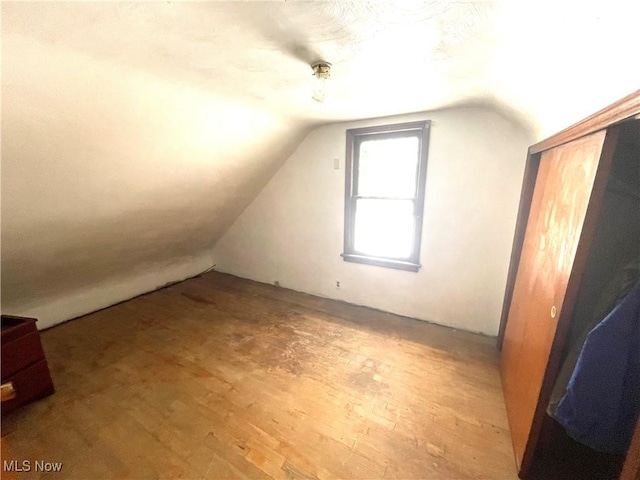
x=386, y=170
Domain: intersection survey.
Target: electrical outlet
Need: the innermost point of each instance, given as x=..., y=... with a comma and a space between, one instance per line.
x=276, y=283
x=338, y=284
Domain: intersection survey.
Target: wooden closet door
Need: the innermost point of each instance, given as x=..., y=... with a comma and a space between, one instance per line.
x=559, y=204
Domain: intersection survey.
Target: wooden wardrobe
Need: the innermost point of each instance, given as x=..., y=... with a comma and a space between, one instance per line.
x=563, y=205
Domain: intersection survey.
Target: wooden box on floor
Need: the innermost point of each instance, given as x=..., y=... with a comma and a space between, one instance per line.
x=23, y=362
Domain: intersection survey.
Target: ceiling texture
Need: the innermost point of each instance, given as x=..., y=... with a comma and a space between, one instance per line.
x=538, y=59
x=136, y=133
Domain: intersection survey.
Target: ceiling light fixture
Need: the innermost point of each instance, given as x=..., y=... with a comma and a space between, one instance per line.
x=321, y=74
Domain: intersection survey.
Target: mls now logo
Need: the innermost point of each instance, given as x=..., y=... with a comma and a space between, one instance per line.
x=26, y=466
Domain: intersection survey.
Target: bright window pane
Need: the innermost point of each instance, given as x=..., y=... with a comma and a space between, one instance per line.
x=384, y=228
x=388, y=167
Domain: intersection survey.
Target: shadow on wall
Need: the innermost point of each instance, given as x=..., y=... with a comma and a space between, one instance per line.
x=48, y=259
x=525, y=123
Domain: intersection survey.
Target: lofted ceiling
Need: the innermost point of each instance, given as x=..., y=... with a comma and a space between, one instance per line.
x=549, y=62
x=135, y=133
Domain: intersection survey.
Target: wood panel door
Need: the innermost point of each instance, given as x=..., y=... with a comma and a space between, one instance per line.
x=563, y=196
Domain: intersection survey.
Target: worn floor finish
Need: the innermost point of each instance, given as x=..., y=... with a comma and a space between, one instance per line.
x=219, y=377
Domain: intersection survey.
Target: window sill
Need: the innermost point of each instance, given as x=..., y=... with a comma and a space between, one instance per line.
x=381, y=262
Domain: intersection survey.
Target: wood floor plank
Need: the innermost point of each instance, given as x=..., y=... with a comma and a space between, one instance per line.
x=220, y=377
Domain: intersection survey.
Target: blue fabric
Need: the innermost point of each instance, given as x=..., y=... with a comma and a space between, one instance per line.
x=601, y=406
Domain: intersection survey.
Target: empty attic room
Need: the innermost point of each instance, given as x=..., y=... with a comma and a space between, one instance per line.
x=295, y=240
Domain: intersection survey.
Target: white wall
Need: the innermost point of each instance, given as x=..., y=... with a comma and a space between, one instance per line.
x=116, y=181
x=293, y=231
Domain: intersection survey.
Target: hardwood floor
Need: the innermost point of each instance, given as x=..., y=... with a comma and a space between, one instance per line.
x=219, y=377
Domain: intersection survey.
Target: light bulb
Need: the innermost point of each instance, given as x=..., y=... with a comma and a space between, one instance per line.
x=321, y=74
x=319, y=89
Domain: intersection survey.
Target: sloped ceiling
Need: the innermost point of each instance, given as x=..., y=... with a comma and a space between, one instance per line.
x=134, y=134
